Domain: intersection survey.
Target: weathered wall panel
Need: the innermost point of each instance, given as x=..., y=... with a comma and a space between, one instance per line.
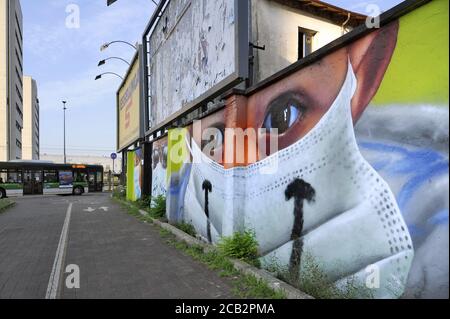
x=192, y=50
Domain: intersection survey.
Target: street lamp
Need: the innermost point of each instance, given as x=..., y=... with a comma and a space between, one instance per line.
x=106, y=45
x=64, y=109
x=103, y=62
x=98, y=77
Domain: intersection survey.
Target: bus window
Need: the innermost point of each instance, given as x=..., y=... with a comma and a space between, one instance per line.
x=50, y=177
x=80, y=177
x=3, y=176
x=14, y=177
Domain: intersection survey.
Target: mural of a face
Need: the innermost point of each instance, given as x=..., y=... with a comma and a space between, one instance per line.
x=159, y=168
x=324, y=203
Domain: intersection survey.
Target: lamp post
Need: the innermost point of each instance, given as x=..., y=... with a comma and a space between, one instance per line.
x=103, y=62
x=106, y=45
x=98, y=77
x=64, y=109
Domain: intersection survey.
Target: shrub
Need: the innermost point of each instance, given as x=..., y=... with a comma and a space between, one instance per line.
x=144, y=202
x=242, y=245
x=187, y=228
x=120, y=193
x=158, y=207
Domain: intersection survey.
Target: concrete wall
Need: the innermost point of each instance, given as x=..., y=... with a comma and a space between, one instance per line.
x=30, y=132
x=276, y=26
x=11, y=73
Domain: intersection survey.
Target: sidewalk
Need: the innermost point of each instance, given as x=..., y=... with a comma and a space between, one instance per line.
x=121, y=257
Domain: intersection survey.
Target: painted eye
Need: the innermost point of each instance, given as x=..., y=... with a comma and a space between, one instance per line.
x=283, y=113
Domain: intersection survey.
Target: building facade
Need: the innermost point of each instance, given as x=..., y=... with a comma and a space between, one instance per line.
x=11, y=83
x=291, y=30
x=30, y=133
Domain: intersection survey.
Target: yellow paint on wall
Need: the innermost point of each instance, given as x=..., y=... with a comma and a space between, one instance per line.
x=419, y=71
x=178, y=152
x=129, y=108
x=130, y=176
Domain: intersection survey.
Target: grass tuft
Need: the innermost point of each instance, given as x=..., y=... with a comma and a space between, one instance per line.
x=242, y=246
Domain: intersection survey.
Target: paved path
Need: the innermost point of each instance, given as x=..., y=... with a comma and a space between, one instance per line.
x=118, y=256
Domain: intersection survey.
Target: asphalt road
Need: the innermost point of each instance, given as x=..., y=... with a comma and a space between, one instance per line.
x=45, y=242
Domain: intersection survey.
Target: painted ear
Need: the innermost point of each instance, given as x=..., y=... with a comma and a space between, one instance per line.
x=370, y=58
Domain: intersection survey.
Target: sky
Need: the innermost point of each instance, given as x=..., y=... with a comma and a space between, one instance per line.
x=62, y=56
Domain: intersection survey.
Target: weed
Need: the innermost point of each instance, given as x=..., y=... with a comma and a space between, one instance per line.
x=120, y=193
x=252, y=287
x=315, y=282
x=158, y=207
x=144, y=202
x=242, y=245
x=4, y=203
x=187, y=228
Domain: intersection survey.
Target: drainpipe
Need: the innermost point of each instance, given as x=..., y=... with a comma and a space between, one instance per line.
x=345, y=23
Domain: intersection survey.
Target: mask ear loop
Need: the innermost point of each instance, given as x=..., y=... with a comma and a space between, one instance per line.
x=354, y=79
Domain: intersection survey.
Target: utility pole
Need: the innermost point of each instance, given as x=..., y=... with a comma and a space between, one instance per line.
x=64, y=109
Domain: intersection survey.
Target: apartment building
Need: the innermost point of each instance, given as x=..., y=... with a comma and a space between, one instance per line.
x=289, y=30
x=11, y=83
x=30, y=133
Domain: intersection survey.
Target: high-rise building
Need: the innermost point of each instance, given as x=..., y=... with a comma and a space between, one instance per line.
x=11, y=84
x=30, y=133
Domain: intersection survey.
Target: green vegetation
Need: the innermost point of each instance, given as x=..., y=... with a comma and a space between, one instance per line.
x=242, y=245
x=144, y=203
x=245, y=286
x=158, y=207
x=120, y=193
x=315, y=282
x=4, y=204
x=187, y=228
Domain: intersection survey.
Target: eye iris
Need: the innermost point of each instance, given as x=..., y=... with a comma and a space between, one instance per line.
x=282, y=118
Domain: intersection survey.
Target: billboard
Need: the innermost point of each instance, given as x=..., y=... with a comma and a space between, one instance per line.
x=129, y=107
x=196, y=49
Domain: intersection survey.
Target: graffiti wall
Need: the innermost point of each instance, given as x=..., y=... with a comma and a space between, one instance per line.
x=341, y=166
x=159, y=168
x=134, y=174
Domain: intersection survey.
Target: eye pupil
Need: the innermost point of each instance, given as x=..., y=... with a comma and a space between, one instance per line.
x=282, y=116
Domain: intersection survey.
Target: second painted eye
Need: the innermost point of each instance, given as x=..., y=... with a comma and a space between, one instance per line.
x=282, y=114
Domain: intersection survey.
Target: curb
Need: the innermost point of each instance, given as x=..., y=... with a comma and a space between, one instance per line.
x=274, y=283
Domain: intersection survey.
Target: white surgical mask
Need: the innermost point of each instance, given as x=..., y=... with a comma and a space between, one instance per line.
x=352, y=221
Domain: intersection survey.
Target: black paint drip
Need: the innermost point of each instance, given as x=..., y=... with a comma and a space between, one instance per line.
x=207, y=187
x=300, y=191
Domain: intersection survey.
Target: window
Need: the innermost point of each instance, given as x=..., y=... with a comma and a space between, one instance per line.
x=13, y=177
x=305, y=42
x=19, y=60
x=19, y=76
x=18, y=44
x=19, y=111
x=80, y=177
x=50, y=177
x=18, y=26
x=19, y=94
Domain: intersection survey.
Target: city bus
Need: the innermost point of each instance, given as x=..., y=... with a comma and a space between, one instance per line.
x=22, y=178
